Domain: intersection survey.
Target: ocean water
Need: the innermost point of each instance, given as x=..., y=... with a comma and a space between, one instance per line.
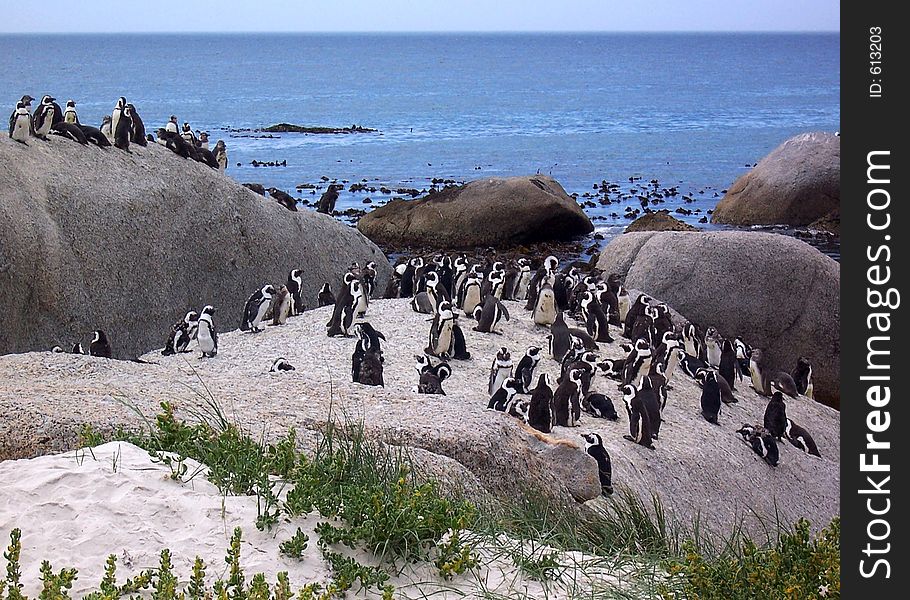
x=692, y=111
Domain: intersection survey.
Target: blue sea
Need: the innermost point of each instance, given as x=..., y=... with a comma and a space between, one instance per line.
x=692, y=111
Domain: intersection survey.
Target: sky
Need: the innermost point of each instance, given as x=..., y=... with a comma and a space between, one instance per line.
x=93, y=16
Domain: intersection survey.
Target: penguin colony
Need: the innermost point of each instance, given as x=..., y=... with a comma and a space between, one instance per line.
x=121, y=128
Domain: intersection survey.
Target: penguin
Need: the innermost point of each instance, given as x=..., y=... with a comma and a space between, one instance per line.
x=544, y=312
x=326, y=297
x=675, y=358
x=567, y=400
x=524, y=278
x=769, y=381
x=44, y=117
x=431, y=378
x=182, y=333
x=172, y=126
x=406, y=289
x=659, y=382
x=460, y=270
x=425, y=301
x=345, y=302
x=800, y=438
x=77, y=349
x=326, y=204
x=70, y=131
x=175, y=144
x=117, y=114
x=500, y=370
x=691, y=365
x=728, y=366
x=600, y=406
x=546, y=274
x=100, y=345
x=503, y=396
x=20, y=124
x=762, y=443
x=26, y=102
x=367, y=343
x=643, y=329
x=107, y=128
x=221, y=156
x=664, y=352
x=368, y=280
x=186, y=132
x=490, y=314
x=95, y=136
x=540, y=408
x=587, y=363
x=595, y=320
x=123, y=130
x=471, y=296
x=294, y=286
x=595, y=448
x=559, y=339
x=624, y=304
x=442, y=336
x=638, y=363
x=586, y=340
x=283, y=198
x=204, y=140
x=712, y=347
x=371, y=370
x=137, y=127
x=663, y=322
x=524, y=372
x=256, y=306
x=802, y=377
x=710, y=398
x=636, y=310
x=742, y=356
x=640, y=430
x=776, y=416
x=459, y=349
x=650, y=400
x=281, y=306
x=493, y=284
x=518, y=408
x=511, y=281
x=691, y=342
x=612, y=368
x=281, y=364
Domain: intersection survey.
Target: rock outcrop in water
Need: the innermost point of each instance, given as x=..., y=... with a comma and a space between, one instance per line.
x=499, y=212
x=796, y=184
x=96, y=238
x=659, y=220
x=779, y=293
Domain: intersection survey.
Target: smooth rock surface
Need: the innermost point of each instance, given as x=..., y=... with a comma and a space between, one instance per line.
x=779, y=293
x=797, y=183
x=499, y=212
x=96, y=238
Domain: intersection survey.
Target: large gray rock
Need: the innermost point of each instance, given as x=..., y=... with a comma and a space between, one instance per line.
x=777, y=292
x=498, y=212
x=796, y=184
x=101, y=239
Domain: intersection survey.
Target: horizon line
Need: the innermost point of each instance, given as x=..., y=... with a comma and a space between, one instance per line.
x=431, y=31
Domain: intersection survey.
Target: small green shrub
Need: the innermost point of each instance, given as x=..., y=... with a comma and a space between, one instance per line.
x=295, y=546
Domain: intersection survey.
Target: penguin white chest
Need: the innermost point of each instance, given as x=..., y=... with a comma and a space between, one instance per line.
x=712, y=349
x=444, y=343
x=20, y=128
x=755, y=372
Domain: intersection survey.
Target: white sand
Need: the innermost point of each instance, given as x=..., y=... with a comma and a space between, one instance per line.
x=76, y=508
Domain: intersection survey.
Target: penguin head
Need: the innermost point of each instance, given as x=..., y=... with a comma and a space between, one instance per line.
x=629, y=392
x=99, y=337
x=26, y=100
x=590, y=358
x=417, y=262
x=746, y=431
x=423, y=362
x=45, y=99
x=606, y=366
x=208, y=310
x=643, y=347
x=626, y=347
x=803, y=363
x=711, y=332
x=498, y=266
x=551, y=263
x=592, y=440
x=586, y=299
x=191, y=317
x=670, y=339
x=204, y=137
x=533, y=352
x=510, y=385
x=349, y=278
x=20, y=108
x=268, y=290
x=121, y=102
x=443, y=371
x=659, y=368
x=297, y=275
x=576, y=375
x=478, y=312
x=71, y=104
x=432, y=279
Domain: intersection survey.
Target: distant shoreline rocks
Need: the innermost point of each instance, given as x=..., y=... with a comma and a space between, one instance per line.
x=292, y=128
x=796, y=184
x=500, y=212
x=660, y=220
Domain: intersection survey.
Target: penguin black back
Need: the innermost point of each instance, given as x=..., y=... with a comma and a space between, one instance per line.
x=776, y=416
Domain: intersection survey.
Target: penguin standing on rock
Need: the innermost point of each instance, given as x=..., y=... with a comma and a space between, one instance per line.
x=366, y=362
x=501, y=399
x=295, y=285
x=20, y=124
x=540, y=408
x=595, y=320
x=524, y=372
x=283, y=198
x=544, y=308
x=640, y=424
x=762, y=443
x=123, y=130
x=710, y=397
x=45, y=116
x=280, y=306
x=69, y=113
x=567, y=400
x=137, y=127
x=500, y=370
x=713, y=341
x=207, y=336
x=729, y=367
x=636, y=310
x=117, y=114
x=800, y=438
x=490, y=314
x=560, y=338
x=442, y=334
x=776, y=416
x=221, y=156
x=256, y=306
x=594, y=447
x=802, y=377
x=100, y=345
x=183, y=332
x=345, y=302
x=326, y=297
x=326, y=204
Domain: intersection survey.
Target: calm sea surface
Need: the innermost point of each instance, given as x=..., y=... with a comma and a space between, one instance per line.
x=690, y=110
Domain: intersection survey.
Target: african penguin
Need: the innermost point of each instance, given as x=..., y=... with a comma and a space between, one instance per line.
x=762, y=443
x=540, y=409
x=800, y=438
x=345, y=302
x=256, y=306
x=295, y=286
x=326, y=297
x=638, y=363
x=100, y=345
x=95, y=136
x=20, y=124
x=107, y=129
x=728, y=366
x=442, y=338
x=221, y=156
x=567, y=400
x=776, y=416
x=503, y=396
x=559, y=339
x=490, y=315
x=636, y=310
x=691, y=342
x=44, y=117
x=594, y=447
x=600, y=406
x=710, y=397
x=137, y=127
x=280, y=306
x=183, y=332
x=713, y=341
x=595, y=320
x=544, y=310
x=431, y=378
x=117, y=114
x=802, y=377
x=500, y=370
x=70, y=131
x=524, y=372
x=123, y=130
x=640, y=423
x=281, y=364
